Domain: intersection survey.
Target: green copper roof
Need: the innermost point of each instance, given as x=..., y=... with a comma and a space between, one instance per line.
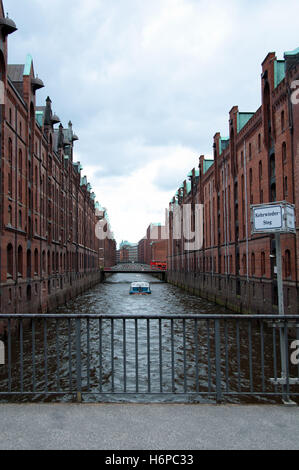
x=39, y=116
x=191, y=173
x=294, y=52
x=242, y=120
x=188, y=186
x=83, y=181
x=207, y=164
x=28, y=63
x=279, y=72
x=223, y=144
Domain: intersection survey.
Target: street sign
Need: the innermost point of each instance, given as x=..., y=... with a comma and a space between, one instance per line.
x=273, y=217
x=277, y=218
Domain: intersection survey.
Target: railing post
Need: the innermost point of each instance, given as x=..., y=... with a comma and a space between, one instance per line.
x=78, y=359
x=218, y=362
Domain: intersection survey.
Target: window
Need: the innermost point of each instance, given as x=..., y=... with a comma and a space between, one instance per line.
x=20, y=190
x=36, y=261
x=9, y=215
x=20, y=261
x=9, y=260
x=10, y=151
x=20, y=219
x=250, y=151
x=20, y=161
x=44, y=261
x=272, y=166
x=250, y=186
x=10, y=183
x=284, y=152
x=28, y=263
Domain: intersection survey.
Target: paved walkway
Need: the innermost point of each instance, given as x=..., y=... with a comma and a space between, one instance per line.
x=148, y=427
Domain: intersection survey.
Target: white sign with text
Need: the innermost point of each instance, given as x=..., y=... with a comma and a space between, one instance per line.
x=276, y=217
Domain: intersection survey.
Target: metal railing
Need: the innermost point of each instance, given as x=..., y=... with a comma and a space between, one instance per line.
x=151, y=357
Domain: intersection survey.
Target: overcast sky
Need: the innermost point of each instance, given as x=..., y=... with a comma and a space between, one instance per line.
x=147, y=84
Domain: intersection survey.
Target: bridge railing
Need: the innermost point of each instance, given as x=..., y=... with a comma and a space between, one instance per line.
x=150, y=357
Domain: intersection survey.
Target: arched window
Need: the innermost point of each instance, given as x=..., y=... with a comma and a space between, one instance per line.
x=49, y=263
x=259, y=143
x=250, y=186
x=284, y=152
x=9, y=215
x=260, y=181
x=9, y=182
x=36, y=261
x=20, y=261
x=28, y=263
x=10, y=151
x=9, y=260
x=272, y=166
x=20, y=190
x=28, y=292
x=20, y=161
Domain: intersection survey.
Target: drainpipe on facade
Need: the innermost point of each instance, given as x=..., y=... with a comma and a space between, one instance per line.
x=227, y=219
x=291, y=124
x=246, y=212
x=212, y=227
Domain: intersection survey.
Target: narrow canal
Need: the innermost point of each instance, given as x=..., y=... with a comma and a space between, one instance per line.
x=177, y=360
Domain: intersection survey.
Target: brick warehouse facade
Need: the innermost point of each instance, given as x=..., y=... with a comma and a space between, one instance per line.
x=153, y=247
x=48, y=248
x=257, y=163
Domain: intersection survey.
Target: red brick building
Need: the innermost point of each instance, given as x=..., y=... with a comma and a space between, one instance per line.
x=257, y=163
x=153, y=245
x=48, y=248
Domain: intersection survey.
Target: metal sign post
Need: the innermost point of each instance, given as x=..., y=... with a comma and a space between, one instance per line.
x=278, y=217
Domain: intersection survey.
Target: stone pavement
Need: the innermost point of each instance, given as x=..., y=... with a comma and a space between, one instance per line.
x=148, y=427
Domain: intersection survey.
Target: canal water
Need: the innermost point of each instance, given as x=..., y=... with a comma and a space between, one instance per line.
x=179, y=360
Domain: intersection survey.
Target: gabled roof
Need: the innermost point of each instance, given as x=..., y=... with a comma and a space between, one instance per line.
x=15, y=72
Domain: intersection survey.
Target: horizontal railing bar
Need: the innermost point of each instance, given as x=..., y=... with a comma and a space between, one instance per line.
x=133, y=393
x=151, y=317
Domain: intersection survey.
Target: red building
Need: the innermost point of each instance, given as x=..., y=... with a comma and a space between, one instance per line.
x=257, y=163
x=48, y=247
x=153, y=245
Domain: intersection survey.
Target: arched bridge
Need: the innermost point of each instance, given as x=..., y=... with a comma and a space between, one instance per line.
x=135, y=268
